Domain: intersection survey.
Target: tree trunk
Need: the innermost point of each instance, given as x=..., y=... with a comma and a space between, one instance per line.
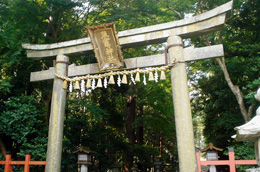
x=140, y=128
x=2, y=147
x=130, y=119
x=235, y=89
x=140, y=133
x=131, y=112
x=161, y=145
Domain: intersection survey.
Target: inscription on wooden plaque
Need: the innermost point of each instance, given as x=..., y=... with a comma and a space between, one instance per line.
x=106, y=46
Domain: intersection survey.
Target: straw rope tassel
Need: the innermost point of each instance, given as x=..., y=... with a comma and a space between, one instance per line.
x=124, y=80
x=65, y=85
x=137, y=77
x=111, y=80
x=99, y=84
x=76, y=87
x=74, y=82
x=151, y=77
x=163, y=77
x=88, y=85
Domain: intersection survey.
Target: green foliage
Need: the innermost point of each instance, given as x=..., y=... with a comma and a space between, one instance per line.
x=23, y=130
x=15, y=66
x=242, y=44
x=218, y=105
x=102, y=130
x=243, y=151
x=22, y=121
x=85, y=126
x=213, y=98
x=143, y=156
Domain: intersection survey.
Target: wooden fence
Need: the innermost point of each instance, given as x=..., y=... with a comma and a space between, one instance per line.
x=231, y=162
x=8, y=163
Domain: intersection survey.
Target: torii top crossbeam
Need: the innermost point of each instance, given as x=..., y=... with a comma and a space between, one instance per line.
x=207, y=22
x=204, y=23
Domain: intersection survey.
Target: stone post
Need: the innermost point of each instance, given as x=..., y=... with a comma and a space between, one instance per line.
x=55, y=137
x=84, y=168
x=182, y=108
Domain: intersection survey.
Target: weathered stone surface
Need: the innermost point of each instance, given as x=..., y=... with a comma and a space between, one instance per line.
x=257, y=96
x=193, y=54
x=182, y=108
x=190, y=54
x=251, y=130
x=212, y=20
x=56, y=122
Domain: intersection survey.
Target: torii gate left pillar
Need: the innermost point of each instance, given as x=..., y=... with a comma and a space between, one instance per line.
x=55, y=137
x=182, y=108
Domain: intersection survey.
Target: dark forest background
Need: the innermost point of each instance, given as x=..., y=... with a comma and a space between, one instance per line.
x=132, y=124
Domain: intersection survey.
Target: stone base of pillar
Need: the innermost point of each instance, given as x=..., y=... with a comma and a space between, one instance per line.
x=253, y=170
x=212, y=168
x=84, y=168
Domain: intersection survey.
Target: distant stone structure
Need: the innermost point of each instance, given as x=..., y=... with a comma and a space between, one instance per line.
x=212, y=155
x=251, y=132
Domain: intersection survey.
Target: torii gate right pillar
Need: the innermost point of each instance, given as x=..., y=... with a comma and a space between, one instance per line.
x=182, y=108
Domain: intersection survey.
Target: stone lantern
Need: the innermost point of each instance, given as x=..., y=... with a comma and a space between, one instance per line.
x=84, y=158
x=157, y=165
x=211, y=155
x=251, y=132
x=166, y=166
x=116, y=167
x=134, y=168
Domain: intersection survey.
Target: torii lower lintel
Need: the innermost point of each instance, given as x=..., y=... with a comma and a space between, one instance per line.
x=190, y=54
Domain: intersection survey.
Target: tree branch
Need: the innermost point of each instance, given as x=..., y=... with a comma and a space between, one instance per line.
x=177, y=12
x=234, y=88
x=84, y=23
x=250, y=110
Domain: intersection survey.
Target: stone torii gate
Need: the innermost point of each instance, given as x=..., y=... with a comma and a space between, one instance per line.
x=173, y=33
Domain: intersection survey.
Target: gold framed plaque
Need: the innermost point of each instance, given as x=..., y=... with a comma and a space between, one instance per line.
x=106, y=46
